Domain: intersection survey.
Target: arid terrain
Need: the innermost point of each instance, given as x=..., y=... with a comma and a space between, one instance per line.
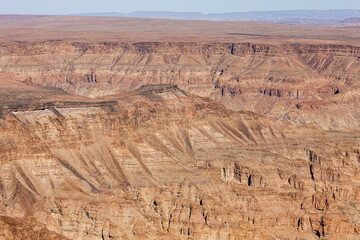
x=120, y=128
x=306, y=17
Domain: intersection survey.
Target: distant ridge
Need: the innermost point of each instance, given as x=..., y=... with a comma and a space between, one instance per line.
x=291, y=16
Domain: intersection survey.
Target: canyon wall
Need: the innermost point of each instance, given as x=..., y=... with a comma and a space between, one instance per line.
x=161, y=163
x=297, y=82
x=125, y=128
x=153, y=140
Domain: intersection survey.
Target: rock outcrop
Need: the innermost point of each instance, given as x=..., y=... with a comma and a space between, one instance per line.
x=26, y=228
x=162, y=163
x=297, y=82
x=162, y=129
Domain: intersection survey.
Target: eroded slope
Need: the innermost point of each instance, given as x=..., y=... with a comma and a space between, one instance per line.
x=298, y=82
x=161, y=163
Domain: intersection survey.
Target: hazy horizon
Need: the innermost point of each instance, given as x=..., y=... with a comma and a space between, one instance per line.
x=66, y=7
x=185, y=12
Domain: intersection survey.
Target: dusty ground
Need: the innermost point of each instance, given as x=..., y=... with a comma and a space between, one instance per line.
x=71, y=28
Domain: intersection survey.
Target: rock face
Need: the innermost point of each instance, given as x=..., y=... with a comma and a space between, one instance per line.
x=179, y=140
x=162, y=163
x=297, y=82
x=27, y=228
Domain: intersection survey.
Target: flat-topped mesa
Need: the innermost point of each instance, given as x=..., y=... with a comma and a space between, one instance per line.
x=50, y=105
x=160, y=91
x=157, y=88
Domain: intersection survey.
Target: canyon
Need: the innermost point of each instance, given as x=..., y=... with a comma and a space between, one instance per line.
x=284, y=81
x=244, y=137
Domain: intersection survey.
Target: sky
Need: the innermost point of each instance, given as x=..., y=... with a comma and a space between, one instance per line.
x=205, y=6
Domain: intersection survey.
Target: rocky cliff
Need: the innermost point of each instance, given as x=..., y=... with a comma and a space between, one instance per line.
x=297, y=82
x=162, y=163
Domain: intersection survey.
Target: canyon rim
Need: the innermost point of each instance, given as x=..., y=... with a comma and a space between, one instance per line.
x=126, y=128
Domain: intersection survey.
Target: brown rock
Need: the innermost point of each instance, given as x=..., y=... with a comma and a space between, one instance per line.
x=302, y=83
x=98, y=171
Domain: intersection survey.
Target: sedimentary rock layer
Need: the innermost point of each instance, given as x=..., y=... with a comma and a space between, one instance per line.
x=298, y=82
x=162, y=163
